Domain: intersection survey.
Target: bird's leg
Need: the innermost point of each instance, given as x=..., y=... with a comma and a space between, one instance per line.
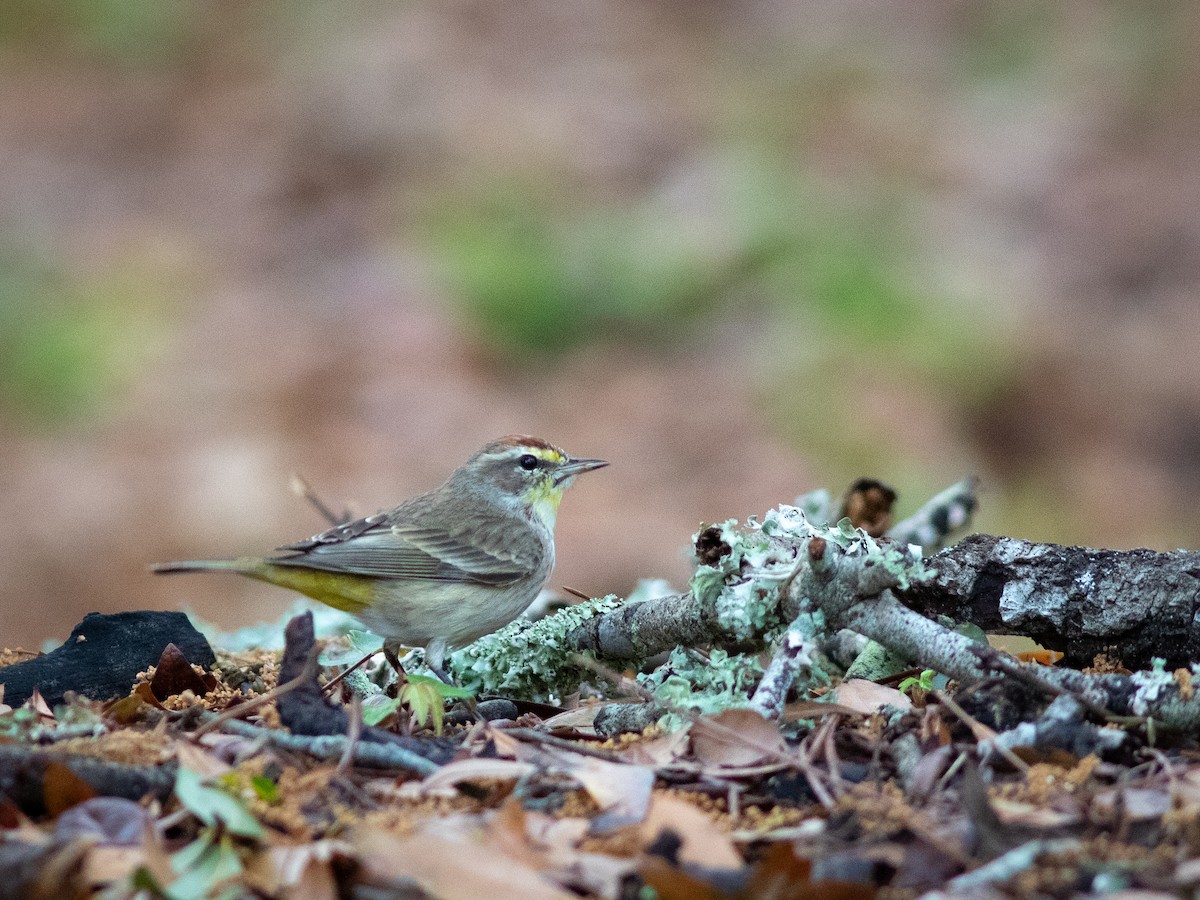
x=435, y=657
x=390, y=649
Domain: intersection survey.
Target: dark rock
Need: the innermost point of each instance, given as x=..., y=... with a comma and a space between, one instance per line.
x=103, y=655
x=500, y=708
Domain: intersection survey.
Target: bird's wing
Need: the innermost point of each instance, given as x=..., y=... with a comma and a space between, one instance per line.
x=378, y=548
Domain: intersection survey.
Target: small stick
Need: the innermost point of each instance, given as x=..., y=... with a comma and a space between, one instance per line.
x=301, y=488
x=976, y=729
x=241, y=709
x=337, y=679
x=352, y=736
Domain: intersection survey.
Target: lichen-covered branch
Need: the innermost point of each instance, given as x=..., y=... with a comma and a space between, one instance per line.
x=792, y=654
x=1135, y=604
x=1158, y=694
x=756, y=580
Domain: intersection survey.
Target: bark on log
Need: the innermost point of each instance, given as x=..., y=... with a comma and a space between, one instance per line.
x=1131, y=604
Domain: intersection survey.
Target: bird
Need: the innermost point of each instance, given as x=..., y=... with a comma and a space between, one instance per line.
x=443, y=568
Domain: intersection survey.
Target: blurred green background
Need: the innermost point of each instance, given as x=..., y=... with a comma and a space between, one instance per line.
x=740, y=249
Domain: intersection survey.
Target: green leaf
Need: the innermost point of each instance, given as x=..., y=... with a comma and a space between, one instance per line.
x=358, y=645
x=203, y=864
x=445, y=691
x=265, y=788
x=376, y=709
x=212, y=806
x=426, y=697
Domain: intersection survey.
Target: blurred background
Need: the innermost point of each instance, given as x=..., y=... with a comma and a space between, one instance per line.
x=740, y=249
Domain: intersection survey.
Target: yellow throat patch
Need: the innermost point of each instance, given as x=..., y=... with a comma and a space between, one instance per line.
x=543, y=498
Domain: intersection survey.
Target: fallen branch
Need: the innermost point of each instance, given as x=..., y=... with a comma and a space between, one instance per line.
x=1134, y=604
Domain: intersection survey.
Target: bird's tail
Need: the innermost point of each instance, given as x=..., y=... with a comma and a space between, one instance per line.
x=242, y=566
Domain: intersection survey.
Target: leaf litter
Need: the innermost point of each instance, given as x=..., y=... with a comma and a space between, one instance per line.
x=858, y=790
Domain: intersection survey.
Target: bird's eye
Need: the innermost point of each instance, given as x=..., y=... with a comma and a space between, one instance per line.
x=528, y=462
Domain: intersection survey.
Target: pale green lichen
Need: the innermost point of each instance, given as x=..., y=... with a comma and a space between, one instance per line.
x=530, y=660
x=742, y=586
x=690, y=681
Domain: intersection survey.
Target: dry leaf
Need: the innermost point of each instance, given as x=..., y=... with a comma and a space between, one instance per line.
x=298, y=870
x=580, y=719
x=456, y=862
x=621, y=791
x=200, y=760
x=174, y=675
x=782, y=875
x=660, y=751
x=105, y=865
x=38, y=704
x=476, y=769
x=1024, y=648
x=813, y=709
x=62, y=789
x=704, y=843
x=736, y=737
x=868, y=697
x=670, y=883
x=109, y=820
x=556, y=833
x=1137, y=804
x=1032, y=815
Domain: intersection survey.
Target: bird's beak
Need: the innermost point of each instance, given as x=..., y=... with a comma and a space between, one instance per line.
x=574, y=467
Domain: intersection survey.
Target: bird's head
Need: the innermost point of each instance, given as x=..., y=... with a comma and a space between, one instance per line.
x=530, y=471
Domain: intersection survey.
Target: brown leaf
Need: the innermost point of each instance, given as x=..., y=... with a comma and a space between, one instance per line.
x=174, y=675
x=455, y=862
x=62, y=789
x=38, y=704
x=109, y=820
x=579, y=719
x=868, y=697
x=1032, y=815
x=621, y=791
x=128, y=709
x=476, y=769
x=105, y=865
x=298, y=870
x=507, y=832
x=670, y=883
x=201, y=761
x=1024, y=648
x=704, y=842
x=812, y=709
x=782, y=875
x=660, y=751
x=736, y=737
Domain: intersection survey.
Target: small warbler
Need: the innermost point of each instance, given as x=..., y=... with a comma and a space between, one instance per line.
x=441, y=569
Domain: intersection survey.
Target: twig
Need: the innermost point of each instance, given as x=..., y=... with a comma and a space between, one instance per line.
x=809, y=771
x=332, y=746
x=791, y=656
x=991, y=658
x=241, y=709
x=979, y=730
x=355, y=732
x=337, y=679
x=540, y=737
x=302, y=489
x=829, y=726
